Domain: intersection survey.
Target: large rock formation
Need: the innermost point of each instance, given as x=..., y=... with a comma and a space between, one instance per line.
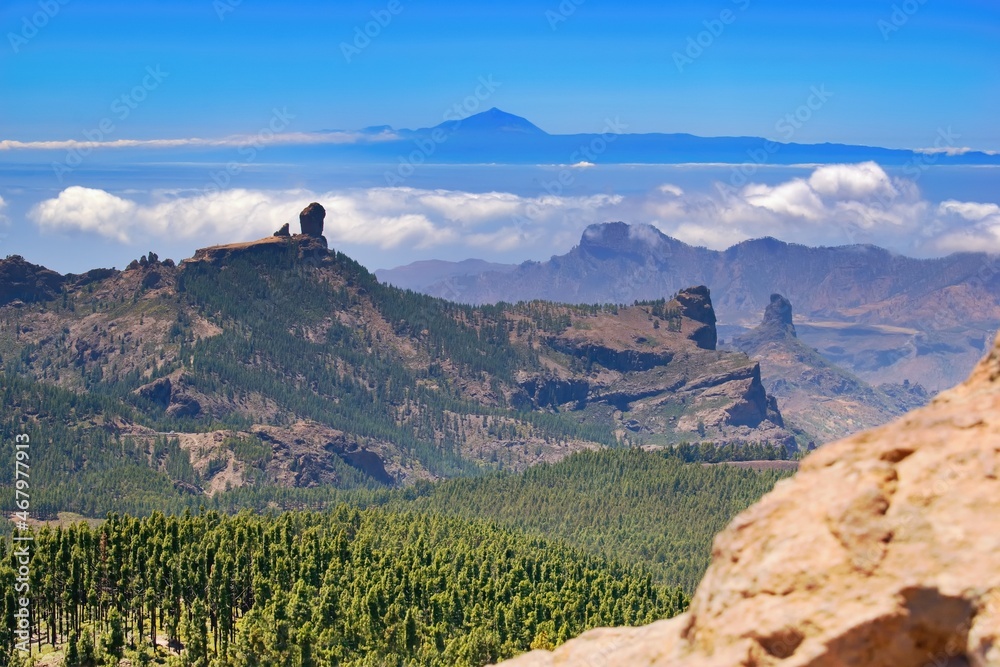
x=816, y=395
x=26, y=282
x=696, y=304
x=656, y=367
x=883, y=551
x=778, y=315
x=882, y=316
x=311, y=218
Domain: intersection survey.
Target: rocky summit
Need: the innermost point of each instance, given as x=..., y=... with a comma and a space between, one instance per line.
x=816, y=395
x=311, y=219
x=884, y=551
x=24, y=282
x=778, y=314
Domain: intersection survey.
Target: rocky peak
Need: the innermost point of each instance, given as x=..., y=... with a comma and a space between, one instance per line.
x=611, y=239
x=311, y=219
x=21, y=280
x=881, y=551
x=696, y=304
x=778, y=315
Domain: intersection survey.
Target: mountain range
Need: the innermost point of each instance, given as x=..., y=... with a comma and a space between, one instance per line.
x=494, y=136
x=280, y=364
x=883, y=317
x=497, y=136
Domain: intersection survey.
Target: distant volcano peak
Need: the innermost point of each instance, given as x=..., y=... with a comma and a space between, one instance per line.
x=495, y=120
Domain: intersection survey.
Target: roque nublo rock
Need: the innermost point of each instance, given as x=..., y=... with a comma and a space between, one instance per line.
x=311, y=219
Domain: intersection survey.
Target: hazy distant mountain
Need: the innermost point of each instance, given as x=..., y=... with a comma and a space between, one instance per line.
x=420, y=275
x=495, y=136
x=884, y=317
x=498, y=136
x=492, y=121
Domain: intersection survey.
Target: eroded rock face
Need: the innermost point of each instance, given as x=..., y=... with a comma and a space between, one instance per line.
x=696, y=304
x=883, y=551
x=283, y=231
x=311, y=218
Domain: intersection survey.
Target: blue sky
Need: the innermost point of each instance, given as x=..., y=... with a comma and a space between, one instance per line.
x=565, y=66
x=897, y=73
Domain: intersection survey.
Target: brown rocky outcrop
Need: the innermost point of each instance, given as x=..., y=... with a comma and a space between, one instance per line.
x=311, y=218
x=23, y=281
x=696, y=304
x=778, y=315
x=816, y=395
x=883, y=551
x=271, y=246
x=283, y=231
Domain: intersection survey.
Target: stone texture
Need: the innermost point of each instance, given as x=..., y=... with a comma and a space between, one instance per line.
x=283, y=231
x=884, y=551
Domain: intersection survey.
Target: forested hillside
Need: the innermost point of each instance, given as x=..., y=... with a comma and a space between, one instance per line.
x=349, y=587
x=280, y=364
x=635, y=506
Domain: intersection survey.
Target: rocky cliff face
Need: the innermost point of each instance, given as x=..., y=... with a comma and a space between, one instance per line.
x=882, y=551
x=653, y=370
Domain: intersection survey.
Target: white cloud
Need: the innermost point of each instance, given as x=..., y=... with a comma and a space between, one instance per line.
x=832, y=205
x=852, y=181
x=87, y=210
x=3, y=218
x=969, y=210
x=954, y=150
x=794, y=199
x=975, y=228
x=265, y=138
x=378, y=217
